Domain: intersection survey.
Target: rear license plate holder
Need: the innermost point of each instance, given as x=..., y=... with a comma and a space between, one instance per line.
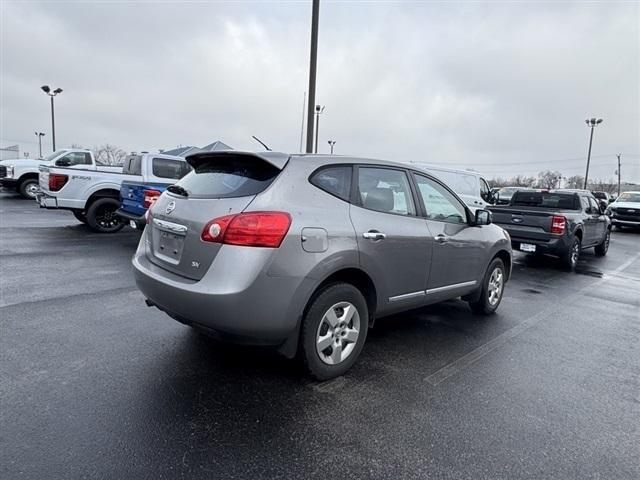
x=527, y=247
x=169, y=246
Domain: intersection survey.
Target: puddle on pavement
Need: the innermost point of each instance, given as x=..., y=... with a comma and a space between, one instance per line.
x=531, y=290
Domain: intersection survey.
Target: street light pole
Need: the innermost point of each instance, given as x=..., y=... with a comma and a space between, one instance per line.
x=47, y=90
x=331, y=144
x=39, y=135
x=591, y=123
x=312, y=73
x=619, y=155
x=319, y=110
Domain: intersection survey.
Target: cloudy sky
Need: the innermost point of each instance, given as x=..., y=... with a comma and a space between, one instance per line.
x=500, y=87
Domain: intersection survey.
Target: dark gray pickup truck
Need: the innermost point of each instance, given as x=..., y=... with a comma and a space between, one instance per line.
x=557, y=222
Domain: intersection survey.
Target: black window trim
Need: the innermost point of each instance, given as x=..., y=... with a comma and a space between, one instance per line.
x=423, y=208
x=334, y=165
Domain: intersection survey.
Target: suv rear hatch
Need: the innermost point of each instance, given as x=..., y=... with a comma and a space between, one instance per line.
x=221, y=184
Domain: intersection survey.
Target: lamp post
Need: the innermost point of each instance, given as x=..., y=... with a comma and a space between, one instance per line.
x=39, y=135
x=331, y=144
x=319, y=110
x=591, y=122
x=47, y=90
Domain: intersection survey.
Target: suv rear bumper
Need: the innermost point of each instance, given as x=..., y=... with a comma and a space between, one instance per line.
x=258, y=313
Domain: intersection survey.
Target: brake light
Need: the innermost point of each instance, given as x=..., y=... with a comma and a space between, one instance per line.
x=558, y=225
x=253, y=229
x=57, y=181
x=150, y=197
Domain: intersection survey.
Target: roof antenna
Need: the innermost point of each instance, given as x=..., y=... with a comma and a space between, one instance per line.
x=261, y=143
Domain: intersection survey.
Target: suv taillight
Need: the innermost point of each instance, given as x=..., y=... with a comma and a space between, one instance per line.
x=253, y=229
x=150, y=196
x=57, y=181
x=558, y=225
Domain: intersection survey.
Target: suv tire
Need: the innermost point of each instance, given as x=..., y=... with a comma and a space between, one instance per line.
x=601, y=250
x=101, y=216
x=492, y=289
x=337, y=318
x=28, y=188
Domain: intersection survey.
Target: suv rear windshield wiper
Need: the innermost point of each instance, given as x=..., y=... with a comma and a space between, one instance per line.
x=178, y=190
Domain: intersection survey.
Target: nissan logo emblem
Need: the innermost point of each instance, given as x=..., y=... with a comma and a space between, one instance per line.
x=170, y=208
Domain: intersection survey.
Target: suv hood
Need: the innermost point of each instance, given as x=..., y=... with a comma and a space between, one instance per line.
x=625, y=205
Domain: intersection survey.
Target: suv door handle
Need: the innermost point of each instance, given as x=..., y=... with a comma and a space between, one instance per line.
x=441, y=238
x=374, y=235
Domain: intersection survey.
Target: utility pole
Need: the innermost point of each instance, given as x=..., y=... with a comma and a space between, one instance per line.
x=313, y=61
x=319, y=110
x=40, y=135
x=331, y=144
x=591, y=123
x=619, y=155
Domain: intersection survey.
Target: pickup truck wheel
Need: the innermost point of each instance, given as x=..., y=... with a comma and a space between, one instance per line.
x=334, y=330
x=101, y=216
x=491, y=290
x=28, y=188
x=81, y=217
x=570, y=259
x=601, y=250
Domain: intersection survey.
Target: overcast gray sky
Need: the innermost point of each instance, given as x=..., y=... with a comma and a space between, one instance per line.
x=500, y=87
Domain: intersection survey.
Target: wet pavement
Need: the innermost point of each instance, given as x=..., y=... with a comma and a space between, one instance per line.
x=94, y=384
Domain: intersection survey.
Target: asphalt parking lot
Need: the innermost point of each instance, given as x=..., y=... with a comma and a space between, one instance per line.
x=94, y=384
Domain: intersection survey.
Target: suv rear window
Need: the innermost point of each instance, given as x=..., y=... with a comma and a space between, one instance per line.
x=167, y=168
x=229, y=177
x=565, y=201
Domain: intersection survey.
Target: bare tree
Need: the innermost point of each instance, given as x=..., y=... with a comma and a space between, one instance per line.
x=109, y=154
x=576, y=181
x=549, y=179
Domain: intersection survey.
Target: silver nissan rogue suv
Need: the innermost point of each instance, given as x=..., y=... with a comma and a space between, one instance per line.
x=303, y=252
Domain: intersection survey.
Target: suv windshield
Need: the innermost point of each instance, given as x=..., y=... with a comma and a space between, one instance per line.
x=565, y=201
x=229, y=177
x=629, y=197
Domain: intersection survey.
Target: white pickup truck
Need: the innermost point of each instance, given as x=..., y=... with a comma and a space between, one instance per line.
x=21, y=174
x=93, y=195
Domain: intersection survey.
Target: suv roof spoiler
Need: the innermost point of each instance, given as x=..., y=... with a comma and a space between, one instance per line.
x=277, y=159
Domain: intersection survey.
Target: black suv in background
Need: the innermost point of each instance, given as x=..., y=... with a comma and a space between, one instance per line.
x=557, y=222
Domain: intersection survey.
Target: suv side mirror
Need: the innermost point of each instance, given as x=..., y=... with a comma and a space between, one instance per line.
x=63, y=162
x=483, y=217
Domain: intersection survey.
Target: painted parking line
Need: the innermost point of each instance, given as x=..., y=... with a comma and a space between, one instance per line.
x=472, y=357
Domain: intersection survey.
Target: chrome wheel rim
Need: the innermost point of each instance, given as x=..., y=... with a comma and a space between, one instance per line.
x=31, y=190
x=496, y=284
x=338, y=333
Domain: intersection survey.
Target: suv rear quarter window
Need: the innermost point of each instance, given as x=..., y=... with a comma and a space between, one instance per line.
x=334, y=180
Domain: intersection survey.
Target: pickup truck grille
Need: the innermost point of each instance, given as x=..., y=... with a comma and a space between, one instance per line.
x=632, y=214
x=3, y=171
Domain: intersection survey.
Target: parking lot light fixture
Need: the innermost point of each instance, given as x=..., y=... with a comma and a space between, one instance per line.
x=46, y=89
x=331, y=144
x=592, y=123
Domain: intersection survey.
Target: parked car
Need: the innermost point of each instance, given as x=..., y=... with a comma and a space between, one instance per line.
x=625, y=211
x=557, y=222
x=603, y=196
x=305, y=251
x=21, y=174
x=503, y=195
x=92, y=195
x=156, y=174
x=470, y=186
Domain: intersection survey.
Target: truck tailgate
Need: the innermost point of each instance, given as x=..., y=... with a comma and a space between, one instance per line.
x=132, y=195
x=527, y=223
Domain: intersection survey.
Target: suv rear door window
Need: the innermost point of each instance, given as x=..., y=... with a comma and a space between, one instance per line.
x=385, y=190
x=168, y=168
x=334, y=180
x=228, y=177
